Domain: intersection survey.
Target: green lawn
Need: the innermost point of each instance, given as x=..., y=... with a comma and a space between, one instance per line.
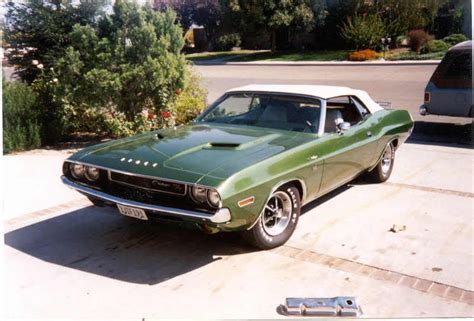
x=337, y=55
x=330, y=55
x=410, y=55
x=200, y=56
x=251, y=55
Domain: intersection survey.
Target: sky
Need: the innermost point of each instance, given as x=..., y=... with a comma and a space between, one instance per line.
x=3, y=9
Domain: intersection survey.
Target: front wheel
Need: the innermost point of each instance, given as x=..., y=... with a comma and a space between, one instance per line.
x=278, y=220
x=384, y=167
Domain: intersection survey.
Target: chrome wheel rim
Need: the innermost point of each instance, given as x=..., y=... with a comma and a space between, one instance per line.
x=277, y=213
x=387, y=159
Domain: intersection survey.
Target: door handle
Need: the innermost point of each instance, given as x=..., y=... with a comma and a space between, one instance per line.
x=369, y=133
x=314, y=157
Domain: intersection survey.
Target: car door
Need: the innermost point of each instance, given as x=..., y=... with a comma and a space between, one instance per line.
x=346, y=153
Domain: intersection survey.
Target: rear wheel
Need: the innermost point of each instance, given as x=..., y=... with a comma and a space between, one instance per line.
x=384, y=168
x=278, y=220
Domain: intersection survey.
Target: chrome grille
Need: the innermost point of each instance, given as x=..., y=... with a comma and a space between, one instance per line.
x=151, y=184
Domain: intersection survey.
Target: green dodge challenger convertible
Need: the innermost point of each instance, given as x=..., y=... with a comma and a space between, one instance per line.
x=248, y=163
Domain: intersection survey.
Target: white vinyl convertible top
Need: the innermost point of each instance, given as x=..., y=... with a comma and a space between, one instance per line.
x=323, y=92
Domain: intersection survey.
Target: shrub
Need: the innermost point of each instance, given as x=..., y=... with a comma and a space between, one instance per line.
x=116, y=124
x=21, y=130
x=454, y=39
x=417, y=39
x=363, y=31
x=435, y=46
x=226, y=42
x=191, y=101
x=128, y=64
x=362, y=55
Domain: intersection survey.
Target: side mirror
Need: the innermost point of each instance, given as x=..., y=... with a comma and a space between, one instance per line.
x=344, y=126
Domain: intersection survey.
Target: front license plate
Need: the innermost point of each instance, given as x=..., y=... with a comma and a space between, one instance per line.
x=132, y=212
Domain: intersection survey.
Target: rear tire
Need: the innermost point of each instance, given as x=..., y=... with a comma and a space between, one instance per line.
x=278, y=221
x=384, y=167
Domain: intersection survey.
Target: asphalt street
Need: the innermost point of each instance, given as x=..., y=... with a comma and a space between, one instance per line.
x=403, y=248
x=402, y=85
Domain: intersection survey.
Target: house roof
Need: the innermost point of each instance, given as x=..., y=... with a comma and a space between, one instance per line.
x=324, y=92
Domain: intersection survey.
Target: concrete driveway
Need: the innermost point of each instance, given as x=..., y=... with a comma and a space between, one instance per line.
x=403, y=248
x=78, y=260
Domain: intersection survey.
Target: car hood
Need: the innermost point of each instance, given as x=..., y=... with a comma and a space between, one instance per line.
x=189, y=153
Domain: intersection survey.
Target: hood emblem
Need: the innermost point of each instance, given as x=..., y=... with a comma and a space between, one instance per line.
x=137, y=162
x=155, y=183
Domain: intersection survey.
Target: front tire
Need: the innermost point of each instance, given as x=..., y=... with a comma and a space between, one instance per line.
x=384, y=168
x=278, y=221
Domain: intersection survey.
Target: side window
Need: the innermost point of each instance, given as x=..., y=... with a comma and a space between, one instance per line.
x=364, y=112
x=335, y=110
x=342, y=109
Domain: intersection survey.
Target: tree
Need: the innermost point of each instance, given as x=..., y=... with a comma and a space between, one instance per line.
x=453, y=17
x=363, y=32
x=129, y=63
x=274, y=15
x=38, y=30
x=333, y=14
x=401, y=16
x=207, y=13
x=183, y=8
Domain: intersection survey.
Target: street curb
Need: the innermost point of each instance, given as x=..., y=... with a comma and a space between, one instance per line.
x=319, y=63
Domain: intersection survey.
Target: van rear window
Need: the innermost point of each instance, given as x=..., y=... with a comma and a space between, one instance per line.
x=454, y=71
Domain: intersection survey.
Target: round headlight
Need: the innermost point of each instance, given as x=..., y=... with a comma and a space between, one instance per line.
x=213, y=198
x=92, y=173
x=199, y=194
x=77, y=170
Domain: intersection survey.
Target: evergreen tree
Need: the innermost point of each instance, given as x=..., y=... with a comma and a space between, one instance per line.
x=38, y=31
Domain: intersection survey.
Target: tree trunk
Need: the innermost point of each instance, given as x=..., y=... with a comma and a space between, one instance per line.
x=273, y=38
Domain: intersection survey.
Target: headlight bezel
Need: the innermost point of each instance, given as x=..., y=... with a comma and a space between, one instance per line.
x=205, y=195
x=199, y=199
x=88, y=176
x=212, y=193
x=72, y=170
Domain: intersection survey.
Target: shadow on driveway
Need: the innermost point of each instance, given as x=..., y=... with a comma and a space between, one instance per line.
x=101, y=241
x=457, y=135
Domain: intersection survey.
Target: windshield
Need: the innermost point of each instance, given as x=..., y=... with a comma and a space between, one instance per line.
x=285, y=112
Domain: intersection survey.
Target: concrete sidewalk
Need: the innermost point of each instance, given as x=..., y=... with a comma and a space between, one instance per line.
x=93, y=262
x=225, y=61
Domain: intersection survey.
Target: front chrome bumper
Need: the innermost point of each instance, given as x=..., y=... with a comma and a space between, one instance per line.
x=221, y=216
